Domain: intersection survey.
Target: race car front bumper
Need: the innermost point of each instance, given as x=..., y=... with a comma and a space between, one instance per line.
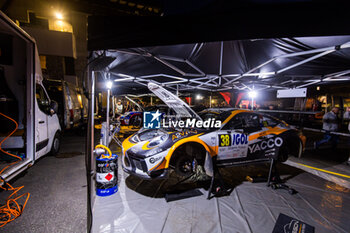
x=143, y=168
x=158, y=174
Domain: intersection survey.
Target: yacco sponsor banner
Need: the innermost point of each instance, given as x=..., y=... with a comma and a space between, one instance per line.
x=266, y=144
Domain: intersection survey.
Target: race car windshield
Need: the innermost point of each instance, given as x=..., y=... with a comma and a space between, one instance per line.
x=208, y=115
x=222, y=116
x=149, y=134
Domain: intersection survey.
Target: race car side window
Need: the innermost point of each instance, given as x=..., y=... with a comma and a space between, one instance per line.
x=249, y=122
x=252, y=121
x=237, y=122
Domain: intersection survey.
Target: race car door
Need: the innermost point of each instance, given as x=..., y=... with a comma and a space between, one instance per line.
x=233, y=138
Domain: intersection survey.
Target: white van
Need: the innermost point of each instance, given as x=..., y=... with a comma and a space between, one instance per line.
x=47, y=127
x=72, y=110
x=25, y=100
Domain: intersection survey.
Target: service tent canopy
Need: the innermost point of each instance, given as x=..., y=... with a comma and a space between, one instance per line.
x=244, y=64
x=217, y=52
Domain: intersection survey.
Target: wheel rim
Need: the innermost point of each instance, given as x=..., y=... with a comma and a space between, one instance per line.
x=56, y=144
x=186, y=166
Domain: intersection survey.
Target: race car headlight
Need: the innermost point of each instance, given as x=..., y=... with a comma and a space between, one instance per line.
x=154, y=152
x=157, y=141
x=134, y=139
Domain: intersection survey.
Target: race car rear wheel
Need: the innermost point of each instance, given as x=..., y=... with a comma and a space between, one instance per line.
x=283, y=153
x=291, y=148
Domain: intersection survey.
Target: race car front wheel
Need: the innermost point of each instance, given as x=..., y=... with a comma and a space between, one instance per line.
x=185, y=165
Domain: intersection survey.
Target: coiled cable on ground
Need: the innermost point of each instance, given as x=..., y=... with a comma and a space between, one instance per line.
x=12, y=209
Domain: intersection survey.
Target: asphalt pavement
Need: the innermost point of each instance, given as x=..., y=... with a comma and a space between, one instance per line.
x=57, y=187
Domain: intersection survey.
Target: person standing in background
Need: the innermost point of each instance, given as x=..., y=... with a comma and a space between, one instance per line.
x=127, y=107
x=346, y=118
x=346, y=115
x=119, y=107
x=330, y=124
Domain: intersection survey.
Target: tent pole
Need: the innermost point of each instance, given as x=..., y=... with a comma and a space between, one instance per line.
x=221, y=56
x=89, y=157
x=210, y=101
x=107, y=115
x=305, y=61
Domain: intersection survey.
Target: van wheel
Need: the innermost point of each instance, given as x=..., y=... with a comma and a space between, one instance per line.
x=56, y=144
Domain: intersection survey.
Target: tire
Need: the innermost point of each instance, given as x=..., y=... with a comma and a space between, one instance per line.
x=56, y=144
x=283, y=153
x=185, y=165
x=187, y=158
x=290, y=149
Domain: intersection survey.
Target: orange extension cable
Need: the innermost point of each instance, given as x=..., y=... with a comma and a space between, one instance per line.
x=12, y=209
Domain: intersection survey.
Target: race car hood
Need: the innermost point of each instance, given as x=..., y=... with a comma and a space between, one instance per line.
x=174, y=102
x=153, y=141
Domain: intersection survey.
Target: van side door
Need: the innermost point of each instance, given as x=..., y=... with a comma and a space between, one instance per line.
x=42, y=109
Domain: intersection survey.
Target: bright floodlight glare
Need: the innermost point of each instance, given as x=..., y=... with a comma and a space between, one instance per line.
x=109, y=84
x=198, y=97
x=59, y=15
x=252, y=94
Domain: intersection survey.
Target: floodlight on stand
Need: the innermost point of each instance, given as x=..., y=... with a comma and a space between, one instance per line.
x=252, y=94
x=109, y=84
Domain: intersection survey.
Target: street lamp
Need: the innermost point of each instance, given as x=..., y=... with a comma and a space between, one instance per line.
x=59, y=15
